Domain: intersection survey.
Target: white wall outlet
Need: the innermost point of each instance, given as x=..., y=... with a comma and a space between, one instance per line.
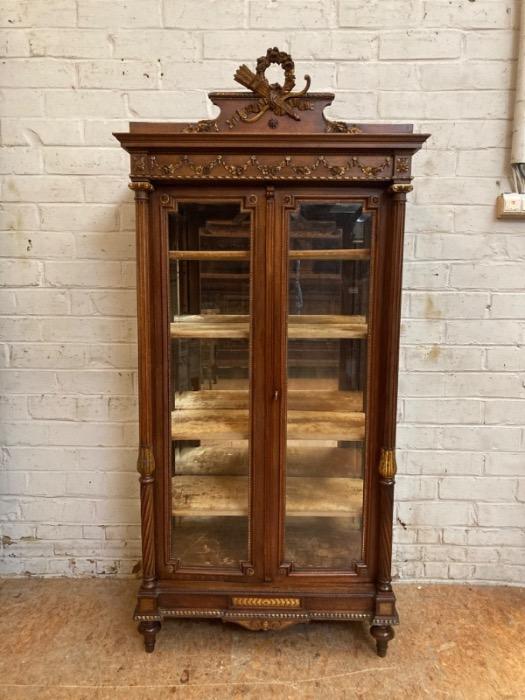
x=511, y=206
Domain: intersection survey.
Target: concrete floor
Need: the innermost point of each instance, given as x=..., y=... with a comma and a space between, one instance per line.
x=75, y=639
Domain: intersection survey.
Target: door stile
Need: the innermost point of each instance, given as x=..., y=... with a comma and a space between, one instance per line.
x=258, y=387
x=280, y=349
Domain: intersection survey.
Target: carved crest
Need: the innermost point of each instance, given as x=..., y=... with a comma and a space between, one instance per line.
x=275, y=97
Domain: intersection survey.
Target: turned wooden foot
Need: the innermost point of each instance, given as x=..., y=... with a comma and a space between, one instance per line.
x=382, y=634
x=149, y=631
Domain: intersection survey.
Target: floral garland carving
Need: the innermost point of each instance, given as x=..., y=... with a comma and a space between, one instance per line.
x=220, y=167
x=371, y=171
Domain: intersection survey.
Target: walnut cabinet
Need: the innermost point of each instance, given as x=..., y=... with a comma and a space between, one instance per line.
x=269, y=255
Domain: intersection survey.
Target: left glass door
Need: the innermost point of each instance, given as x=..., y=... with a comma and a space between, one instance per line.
x=210, y=320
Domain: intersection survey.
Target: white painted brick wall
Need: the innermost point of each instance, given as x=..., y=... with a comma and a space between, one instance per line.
x=73, y=71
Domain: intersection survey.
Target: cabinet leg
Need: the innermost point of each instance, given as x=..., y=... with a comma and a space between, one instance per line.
x=382, y=634
x=149, y=631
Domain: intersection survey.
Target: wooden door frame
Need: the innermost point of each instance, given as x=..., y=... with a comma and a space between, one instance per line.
x=163, y=200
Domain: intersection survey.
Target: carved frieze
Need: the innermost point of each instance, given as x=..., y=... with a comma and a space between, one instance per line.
x=258, y=167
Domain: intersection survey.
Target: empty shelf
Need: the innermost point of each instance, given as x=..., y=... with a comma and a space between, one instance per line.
x=298, y=399
x=299, y=327
x=331, y=254
x=300, y=461
x=209, y=254
x=305, y=497
x=232, y=424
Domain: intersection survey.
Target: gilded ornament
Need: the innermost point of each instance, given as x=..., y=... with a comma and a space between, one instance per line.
x=138, y=163
x=266, y=602
x=140, y=185
x=146, y=462
x=371, y=171
x=342, y=128
x=401, y=188
x=275, y=97
x=402, y=165
x=201, y=127
x=387, y=464
x=287, y=168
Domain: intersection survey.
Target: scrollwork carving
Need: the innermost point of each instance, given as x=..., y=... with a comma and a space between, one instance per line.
x=263, y=625
x=201, y=127
x=401, y=188
x=342, y=128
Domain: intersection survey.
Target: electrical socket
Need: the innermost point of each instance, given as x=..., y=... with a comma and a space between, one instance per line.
x=511, y=206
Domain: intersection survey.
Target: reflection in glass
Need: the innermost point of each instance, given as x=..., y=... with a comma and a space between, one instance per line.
x=328, y=281
x=210, y=326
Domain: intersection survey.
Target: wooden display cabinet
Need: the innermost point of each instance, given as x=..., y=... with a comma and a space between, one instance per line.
x=269, y=253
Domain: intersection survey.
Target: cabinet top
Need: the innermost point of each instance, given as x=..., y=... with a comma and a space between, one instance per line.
x=271, y=133
x=269, y=112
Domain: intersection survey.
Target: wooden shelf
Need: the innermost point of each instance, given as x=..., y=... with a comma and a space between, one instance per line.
x=325, y=254
x=299, y=327
x=209, y=254
x=300, y=461
x=298, y=399
x=202, y=496
x=331, y=254
x=232, y=424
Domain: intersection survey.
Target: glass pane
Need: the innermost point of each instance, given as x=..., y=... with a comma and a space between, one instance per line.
x=326, y=369
x=210, y=378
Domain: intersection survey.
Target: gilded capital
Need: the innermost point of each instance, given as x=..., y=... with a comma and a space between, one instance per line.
x=146, y=462
x=401, y=188
x=387, y=464
x=138, y=185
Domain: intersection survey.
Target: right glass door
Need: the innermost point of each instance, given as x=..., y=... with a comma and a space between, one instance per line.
x=329, y=244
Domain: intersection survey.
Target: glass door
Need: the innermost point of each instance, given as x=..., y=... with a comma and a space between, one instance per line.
x=210, y=320
x=329, y=243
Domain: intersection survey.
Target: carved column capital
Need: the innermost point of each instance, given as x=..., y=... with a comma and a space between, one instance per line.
x=387, y=464
x=402, y=188
x=146, y=462
x=142, y=188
